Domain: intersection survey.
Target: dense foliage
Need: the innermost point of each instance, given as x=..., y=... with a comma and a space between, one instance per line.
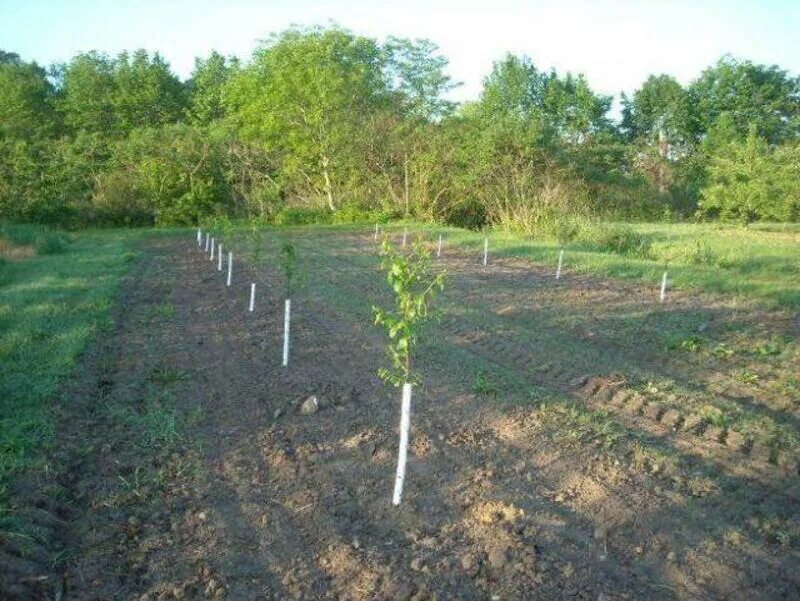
x=325, y=125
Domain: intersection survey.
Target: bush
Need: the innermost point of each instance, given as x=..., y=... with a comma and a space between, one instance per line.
x=750, y=181
x=619, y=239
x=43, y=240
x=470, y=214
x=303, y=216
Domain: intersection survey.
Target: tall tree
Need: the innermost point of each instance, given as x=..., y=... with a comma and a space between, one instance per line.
x=309, y=93
x=26, y=99
x=206, y=87
x=87, y=94
x=146, y=92
x=747, y=94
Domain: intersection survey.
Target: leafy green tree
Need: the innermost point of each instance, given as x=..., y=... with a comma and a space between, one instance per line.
x=659, y=111
x=146, y=92
x=308, y=93
x=115, y=96
x=749, y=180
x=416, y=70
x=87, y=94
x=206, y=88
x=163, y=176
x=747, y=94
x=26, y=100
x=566, y=105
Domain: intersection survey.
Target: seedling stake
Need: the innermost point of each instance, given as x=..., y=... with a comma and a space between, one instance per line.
x=405, y=423
x=212, y=250
x=485, y=251
x=252, y=296
x=439, y=248
x=219, y=258
x=560, y=263
x=405, y=234
x=287, y=318
x=664, y=287
x=230, y=267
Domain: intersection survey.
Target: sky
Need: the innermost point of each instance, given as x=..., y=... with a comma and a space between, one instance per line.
x=615, y=43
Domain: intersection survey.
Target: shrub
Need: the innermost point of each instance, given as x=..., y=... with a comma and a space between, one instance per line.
x=749, y=181
x=42, y=240
x=619, y=239
x=303, y=216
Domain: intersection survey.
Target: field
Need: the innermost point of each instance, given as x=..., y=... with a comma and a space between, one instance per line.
x=572, y=437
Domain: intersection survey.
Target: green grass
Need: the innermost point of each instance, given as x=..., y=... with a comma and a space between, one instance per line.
x=51, y=306
x=42, y=240
x=759, y=263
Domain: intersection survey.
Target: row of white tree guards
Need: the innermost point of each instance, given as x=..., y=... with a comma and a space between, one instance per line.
x=210, y=244
x=662, y=295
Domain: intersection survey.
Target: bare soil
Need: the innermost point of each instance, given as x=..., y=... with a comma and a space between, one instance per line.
x=558, y=450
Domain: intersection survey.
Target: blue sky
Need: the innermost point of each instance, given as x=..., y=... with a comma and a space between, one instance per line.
x=615, y=43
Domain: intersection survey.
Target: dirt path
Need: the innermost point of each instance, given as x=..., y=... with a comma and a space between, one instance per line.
x=189, y=472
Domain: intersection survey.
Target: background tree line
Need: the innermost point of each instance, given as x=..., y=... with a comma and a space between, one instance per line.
x=323, y=124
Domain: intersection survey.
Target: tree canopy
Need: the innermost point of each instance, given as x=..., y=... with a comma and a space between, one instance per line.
x=328, y=123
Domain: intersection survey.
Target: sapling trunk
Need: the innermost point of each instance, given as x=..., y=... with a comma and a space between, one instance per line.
x=485, y=251
x=405, y=235
x=439, y=247
x=375, y=237
x=219, y=258
x=560, y=263
x=212, y=250
x=208, y=240
x=252, y=296
x=402, y=454
x=287, y=317
x=199, y=238
x=663, y=287
x=230, y=267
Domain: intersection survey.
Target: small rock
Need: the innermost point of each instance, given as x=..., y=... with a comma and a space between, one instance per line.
x=469, y=565
x=202, y=516
x=277, y=413
x=601, y=533
x=416, y=564
x=497, y=558
x=671, y=557
x=356, y=543
x=310, y=406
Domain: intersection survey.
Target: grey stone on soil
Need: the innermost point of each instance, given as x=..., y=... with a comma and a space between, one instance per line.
x=310, y=406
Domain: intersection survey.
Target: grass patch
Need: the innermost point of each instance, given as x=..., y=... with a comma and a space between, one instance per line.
x=19, y=241
x=51, y=304
x=759, y=263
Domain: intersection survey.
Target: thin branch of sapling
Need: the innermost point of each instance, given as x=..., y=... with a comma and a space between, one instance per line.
x=256, y=248
x=289, y=266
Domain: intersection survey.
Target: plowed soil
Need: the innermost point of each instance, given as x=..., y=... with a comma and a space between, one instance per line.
x=562, y=446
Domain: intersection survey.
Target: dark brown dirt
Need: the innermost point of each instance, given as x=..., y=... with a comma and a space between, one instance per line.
x=503, y=500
